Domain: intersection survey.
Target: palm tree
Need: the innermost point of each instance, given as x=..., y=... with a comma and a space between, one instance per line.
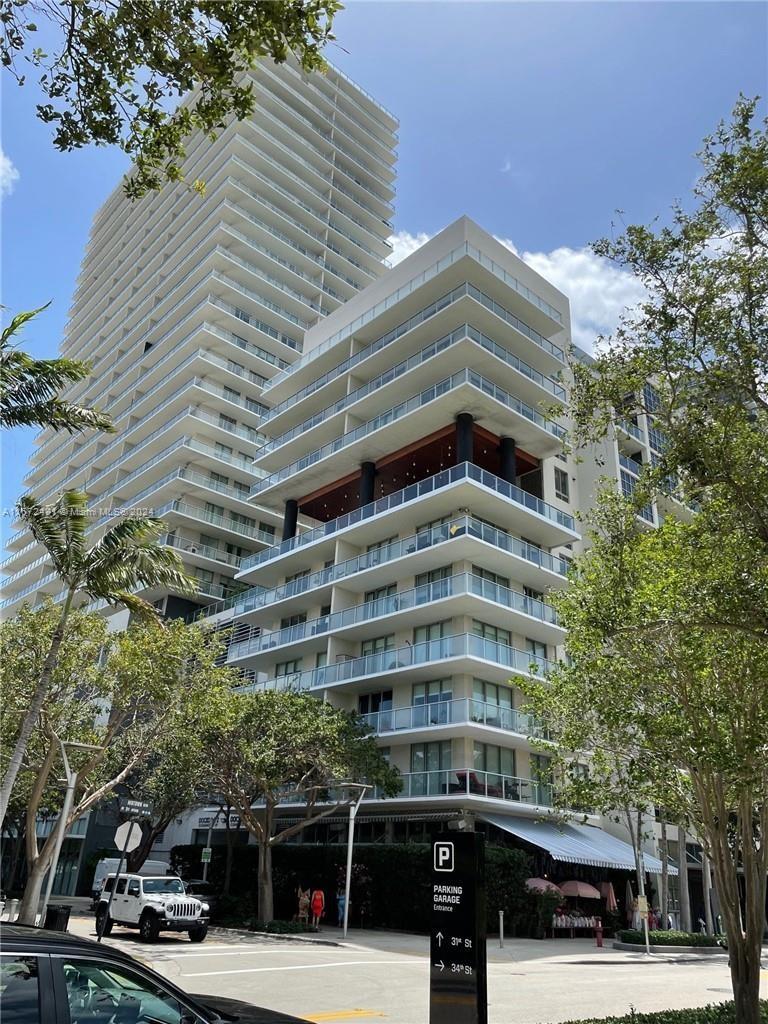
x=127, y=557
x=29, y=388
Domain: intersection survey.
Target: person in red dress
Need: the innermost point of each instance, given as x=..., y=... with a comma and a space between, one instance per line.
x=318, y=907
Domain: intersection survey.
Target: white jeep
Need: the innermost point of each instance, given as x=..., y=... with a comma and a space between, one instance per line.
x=152, y=904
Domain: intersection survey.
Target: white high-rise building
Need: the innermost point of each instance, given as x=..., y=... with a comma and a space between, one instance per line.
x=187, y=306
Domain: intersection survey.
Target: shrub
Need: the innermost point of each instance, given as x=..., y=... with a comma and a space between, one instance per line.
x=668, y=938
x=715, y=1013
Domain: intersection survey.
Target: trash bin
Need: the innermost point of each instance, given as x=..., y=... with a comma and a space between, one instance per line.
x=57, y=917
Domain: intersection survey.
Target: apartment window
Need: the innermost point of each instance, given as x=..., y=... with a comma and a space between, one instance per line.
x=380, y=593
x=431, y=757
x=490, y=577
x=381, y=544
x=204, y=575
x=495, y=694
x=297, y=576
x=206, y=540
x=214, y=510
x=293, y=620
x=234, y=367
x=377, y=644
x=226, y=422
x=562, y=457
x=237, y=551
x=231, y=394
x=561, y=484
x=433, y=576
x=288, y=668
x=433, y=692
x=321, y=659
x=489, y=758
x=371, y=703
x=223, y=449
x=536, y=649
x=219, y=478
x=434, y=631
x=243, y=490
x=493, y=633
x=242, y=520
x=266, y=528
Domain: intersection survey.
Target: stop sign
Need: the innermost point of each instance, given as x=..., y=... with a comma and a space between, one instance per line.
x=128, y=836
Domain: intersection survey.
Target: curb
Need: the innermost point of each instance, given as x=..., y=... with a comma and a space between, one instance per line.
x=245, y=934
x=697, y=950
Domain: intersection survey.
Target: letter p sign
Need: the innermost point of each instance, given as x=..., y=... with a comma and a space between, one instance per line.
x=443, y=856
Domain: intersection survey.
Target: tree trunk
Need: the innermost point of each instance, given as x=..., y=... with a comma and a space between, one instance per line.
x=266, y=899
x=229, y=853
x=33, y=712
x=32, y=892
x=685, y=899
x=664, y=904
x=706, y=879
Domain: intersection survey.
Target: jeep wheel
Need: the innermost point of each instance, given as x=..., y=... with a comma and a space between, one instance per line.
x=103, y=922
x=198, y=934
x=149, y=929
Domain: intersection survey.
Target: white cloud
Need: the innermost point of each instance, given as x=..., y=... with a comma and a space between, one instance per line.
x=597, y=290
x=9, y=175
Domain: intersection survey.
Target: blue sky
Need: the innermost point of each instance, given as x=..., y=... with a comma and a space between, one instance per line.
x=536, y=119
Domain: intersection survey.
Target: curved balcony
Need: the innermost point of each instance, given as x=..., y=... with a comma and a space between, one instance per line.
x=461, y=711
x=446, y=477
x=254, y=641
x=455, y=782
x=429, y=653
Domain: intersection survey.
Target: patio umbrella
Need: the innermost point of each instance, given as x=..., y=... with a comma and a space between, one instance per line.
x=583, y=890
x=608, y=894
x=543, y=885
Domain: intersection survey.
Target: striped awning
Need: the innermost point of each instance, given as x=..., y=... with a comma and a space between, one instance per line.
x=575, y=844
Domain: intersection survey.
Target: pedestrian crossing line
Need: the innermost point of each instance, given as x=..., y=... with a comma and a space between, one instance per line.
x=334, y=1015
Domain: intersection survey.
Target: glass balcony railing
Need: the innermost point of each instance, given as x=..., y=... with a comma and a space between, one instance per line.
x=463, y=471
x=254, y=640
x=204, y=516
x=192, y=547
x=459, y=645
x=465, y=331
x=448, y=712
x=397, y=332
x=458, y=527
x=630, y=464
x=470, y=782
x=632, y=429
x=397, y=412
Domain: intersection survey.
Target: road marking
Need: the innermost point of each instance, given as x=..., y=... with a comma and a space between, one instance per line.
x=300, y=967
x=183, y=955
x=345, y=1015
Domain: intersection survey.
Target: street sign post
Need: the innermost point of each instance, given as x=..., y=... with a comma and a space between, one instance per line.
x=458, y=986
x=135, y=808
x=127, y=836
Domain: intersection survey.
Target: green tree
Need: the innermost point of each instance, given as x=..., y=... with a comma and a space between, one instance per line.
x=29, y=388
x=668, y=629
x=155, y=682
x=125, y=558
x=667, y=679
x=118, y=68
x=284, y=746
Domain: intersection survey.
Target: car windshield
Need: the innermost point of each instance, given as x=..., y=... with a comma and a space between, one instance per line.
x=172, y=885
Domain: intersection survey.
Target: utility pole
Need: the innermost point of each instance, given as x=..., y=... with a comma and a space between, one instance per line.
x=353, y=809
x=685, y=899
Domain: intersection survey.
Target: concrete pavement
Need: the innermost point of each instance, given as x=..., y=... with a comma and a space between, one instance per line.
x=384, y=976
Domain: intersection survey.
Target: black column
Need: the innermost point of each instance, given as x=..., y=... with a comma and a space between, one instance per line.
x=508, y=452
x=290, y=518
x=464, y=437
x=367, y=477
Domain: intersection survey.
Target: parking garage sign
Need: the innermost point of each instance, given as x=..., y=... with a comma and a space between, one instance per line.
x=458, y=987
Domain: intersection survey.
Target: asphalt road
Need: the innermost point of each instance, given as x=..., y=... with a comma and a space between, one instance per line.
x=385, y=977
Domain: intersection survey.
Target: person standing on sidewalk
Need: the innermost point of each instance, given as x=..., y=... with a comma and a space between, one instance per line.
x=318, y=907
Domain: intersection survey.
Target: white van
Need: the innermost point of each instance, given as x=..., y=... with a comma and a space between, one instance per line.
x=109, y=865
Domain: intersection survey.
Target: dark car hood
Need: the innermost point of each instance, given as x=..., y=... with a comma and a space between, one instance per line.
x=246, y=1013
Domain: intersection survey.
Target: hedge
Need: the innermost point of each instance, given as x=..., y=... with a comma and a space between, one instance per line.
x=714, y=1013
x=670, y=938
x=390, y=884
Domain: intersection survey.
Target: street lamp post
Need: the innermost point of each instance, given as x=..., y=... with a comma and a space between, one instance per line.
x=61, y=824
x=353, y=809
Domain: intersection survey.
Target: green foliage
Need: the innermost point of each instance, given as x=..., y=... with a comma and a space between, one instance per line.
x=29, y=388
x=118, y=68
x=281, y=744
x=670, y=938
x=713, y=1013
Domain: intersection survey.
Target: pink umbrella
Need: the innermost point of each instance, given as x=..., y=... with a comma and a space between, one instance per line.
x=543, y=885
x=581, y=889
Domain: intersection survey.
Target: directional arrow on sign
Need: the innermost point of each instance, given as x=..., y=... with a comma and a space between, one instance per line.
x=441, y=965
x=439, y=938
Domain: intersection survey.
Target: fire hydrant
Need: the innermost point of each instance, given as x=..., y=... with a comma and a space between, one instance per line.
x=599, y=933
